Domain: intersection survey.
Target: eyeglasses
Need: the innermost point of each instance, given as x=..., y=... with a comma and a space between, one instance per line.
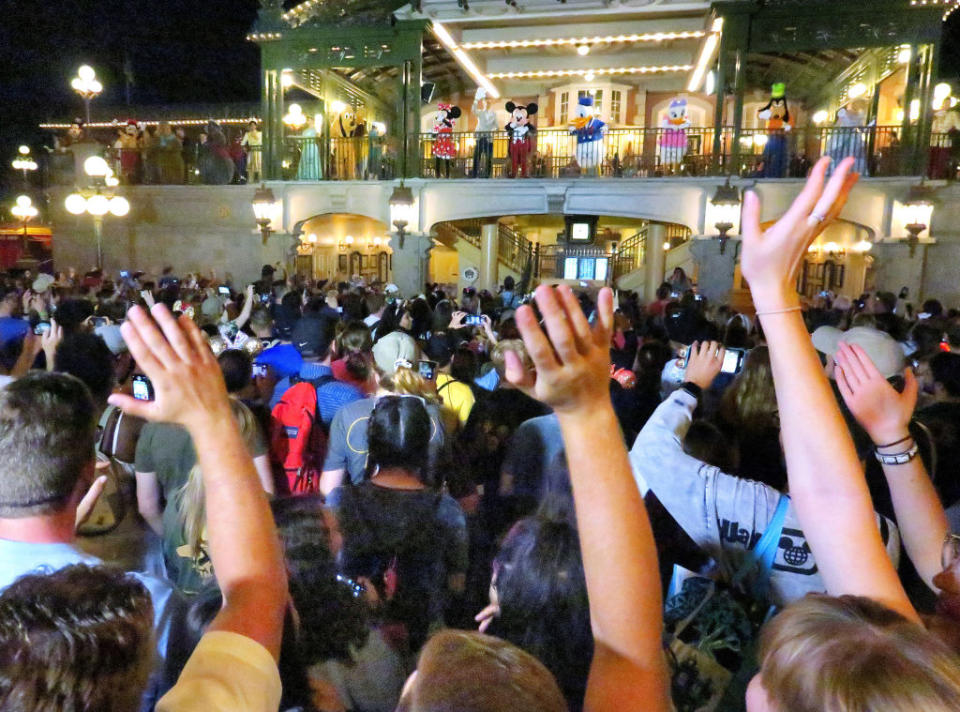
x=950, y=552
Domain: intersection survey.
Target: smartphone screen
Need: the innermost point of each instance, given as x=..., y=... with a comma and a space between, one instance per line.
x=473, y=320
x=224, y=291
x=732, y=361
x=99, y=321
x=124, y=273
x=142, y=388
x=259, y=370
x=41, y=328
x=428, y=370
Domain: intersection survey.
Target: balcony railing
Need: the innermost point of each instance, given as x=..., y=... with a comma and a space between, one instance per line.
x=550, y=154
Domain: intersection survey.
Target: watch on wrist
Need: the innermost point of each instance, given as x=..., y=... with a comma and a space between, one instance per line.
x=693, y=389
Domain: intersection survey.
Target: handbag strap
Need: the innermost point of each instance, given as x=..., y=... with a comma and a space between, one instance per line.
x=764, y=553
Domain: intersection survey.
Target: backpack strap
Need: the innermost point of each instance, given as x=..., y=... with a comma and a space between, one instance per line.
x=764, y=553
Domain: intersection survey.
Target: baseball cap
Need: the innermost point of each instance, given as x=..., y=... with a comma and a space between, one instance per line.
x=439, y=349
x=392, y=348
x=284, y=359
x=882, y=349
x=42, y=282
x=312, y=337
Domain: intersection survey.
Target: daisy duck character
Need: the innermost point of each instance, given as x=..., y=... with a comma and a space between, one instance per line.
x=673, y=140
x=521, y=134
x=444, y=149
x=589, y=131
x=777, y=115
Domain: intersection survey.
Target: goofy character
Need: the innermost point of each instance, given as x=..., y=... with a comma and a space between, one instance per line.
x=589, y=131
x=777, y=115
x=521, y=135
x=444, y=149
x=673, y=139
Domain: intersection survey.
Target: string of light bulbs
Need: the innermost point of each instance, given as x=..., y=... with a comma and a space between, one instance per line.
x=605, y=71
x=577, y=41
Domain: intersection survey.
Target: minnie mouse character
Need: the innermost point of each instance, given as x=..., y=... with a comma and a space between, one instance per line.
x=521, y=134
x=444, y=149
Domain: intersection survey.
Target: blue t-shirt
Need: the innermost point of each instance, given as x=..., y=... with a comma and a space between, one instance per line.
x=331, y=396
x=12, y=328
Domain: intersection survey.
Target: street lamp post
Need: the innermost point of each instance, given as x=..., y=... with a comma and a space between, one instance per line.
x=263, y=209
x=918, y=213
x=25, y=211
x=87, y=86
x=401, y=205
x=95, y=202
x=726, y=211
x=24, y=162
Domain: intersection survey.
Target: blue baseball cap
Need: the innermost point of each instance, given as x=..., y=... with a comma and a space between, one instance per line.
x=284, y=359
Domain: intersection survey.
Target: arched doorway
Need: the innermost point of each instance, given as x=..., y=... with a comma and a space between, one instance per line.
x=336, y=246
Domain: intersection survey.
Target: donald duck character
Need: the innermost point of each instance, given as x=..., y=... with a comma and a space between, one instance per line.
x=673, y=140
x=589, y=131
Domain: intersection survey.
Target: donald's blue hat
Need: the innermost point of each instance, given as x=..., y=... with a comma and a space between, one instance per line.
x=586, y=101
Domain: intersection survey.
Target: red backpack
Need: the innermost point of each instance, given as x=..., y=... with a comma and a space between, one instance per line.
x=298, y=440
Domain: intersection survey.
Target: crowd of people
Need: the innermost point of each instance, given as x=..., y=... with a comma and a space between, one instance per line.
x=329, y=497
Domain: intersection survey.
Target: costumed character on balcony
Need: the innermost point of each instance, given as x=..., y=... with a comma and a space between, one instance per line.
x=444, y=149
x=777, y=115
x=589, y=131
x=216, y=165
x=945, y=141
x=128, y=146
x=673, y=140
x=252, y=143
x=849, y=137
x=486, y=127
x=375, y=139
x=521, y=136
x=344, y=129
x=309, y=166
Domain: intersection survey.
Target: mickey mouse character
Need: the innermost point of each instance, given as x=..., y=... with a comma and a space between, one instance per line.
x=521, y=134
x=444, y=149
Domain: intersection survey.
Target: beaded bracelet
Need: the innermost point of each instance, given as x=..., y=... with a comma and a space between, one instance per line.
x=900, y=458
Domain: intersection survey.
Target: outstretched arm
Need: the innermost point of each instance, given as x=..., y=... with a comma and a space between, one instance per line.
x=244, y=546
x=826, y=481
x=619, y=557
x=247, y=308
x=885, y=415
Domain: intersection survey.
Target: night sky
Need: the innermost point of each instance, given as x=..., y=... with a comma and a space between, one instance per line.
x=175, y=51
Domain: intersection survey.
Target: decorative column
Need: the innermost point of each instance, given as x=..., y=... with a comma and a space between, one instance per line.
x=489, y=260
x=272, y=108
x=654, y=260
x=411, y=261
x=715, y=270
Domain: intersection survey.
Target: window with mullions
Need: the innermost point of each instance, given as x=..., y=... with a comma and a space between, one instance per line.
x=564, y=107
x=615, y=106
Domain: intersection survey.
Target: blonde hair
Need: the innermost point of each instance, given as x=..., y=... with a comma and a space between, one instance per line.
x=189, y=499
x=409, y=382
x=852, y=654
x=499, y=361
x=751, y=401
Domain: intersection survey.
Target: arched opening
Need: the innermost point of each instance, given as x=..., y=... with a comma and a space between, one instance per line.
x=340, y=246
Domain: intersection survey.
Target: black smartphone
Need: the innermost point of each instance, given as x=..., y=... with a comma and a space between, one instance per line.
x=225, y=291
x=42, y=327
x=473, y=320
x=142, y=388
x=428, y=369
x=265, y=298
x=259, y=370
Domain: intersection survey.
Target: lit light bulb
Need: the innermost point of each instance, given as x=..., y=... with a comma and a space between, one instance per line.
x=86, y=73
x=24, y=201
x=666, y=245
x=583, y=50
x=75, y=204
x=24, y=150
x=98, y=205
x=857, y=90
x=119, y=206
x=588, y=76
x=96, y=167
x=820, y=116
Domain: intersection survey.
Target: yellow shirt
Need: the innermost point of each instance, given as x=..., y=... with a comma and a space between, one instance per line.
x=228, y=672
x=456, y=395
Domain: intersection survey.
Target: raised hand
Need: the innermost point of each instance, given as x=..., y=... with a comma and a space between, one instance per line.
x=187, y=381
x=456, y=320
x=772, y=257
x=50, y=340
x=883, y=412
x=704, y=363
x=572, y=367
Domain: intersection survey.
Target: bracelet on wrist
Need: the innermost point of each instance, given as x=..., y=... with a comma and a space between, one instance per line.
x=900, y=458
x=904, y=439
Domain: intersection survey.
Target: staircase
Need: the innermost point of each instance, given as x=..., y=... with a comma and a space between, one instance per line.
x=514, y=251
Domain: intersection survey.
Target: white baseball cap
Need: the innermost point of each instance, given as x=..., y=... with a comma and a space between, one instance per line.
x=882, y=348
